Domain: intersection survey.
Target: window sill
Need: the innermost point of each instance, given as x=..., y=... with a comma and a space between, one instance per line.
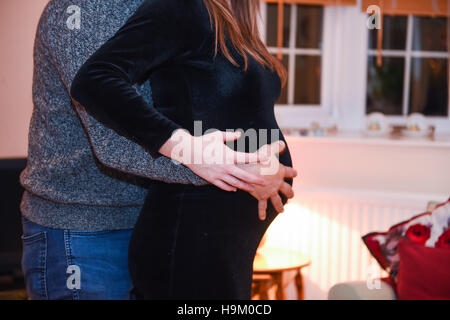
x=358, y=137
x=349, y=160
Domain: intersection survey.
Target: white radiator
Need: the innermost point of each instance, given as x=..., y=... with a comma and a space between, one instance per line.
x=327, y=225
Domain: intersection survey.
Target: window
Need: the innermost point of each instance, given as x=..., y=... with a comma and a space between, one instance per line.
x=333, y=78
x=302, y=52
x=413, y=76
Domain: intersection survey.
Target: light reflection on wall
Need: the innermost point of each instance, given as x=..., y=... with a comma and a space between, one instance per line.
x=329, y=232
x=283, y=231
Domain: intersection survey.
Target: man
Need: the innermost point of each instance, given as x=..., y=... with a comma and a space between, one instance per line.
x=85, y=184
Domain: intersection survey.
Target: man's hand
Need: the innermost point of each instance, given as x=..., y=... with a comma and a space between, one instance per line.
x=274, y=183
x=211, y=159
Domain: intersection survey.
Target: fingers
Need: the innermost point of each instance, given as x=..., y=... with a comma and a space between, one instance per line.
x=262, y=208
x=222, y=185
x=277, y=203
x=277, y=147
x=246, y=176
x=254, y=157
x=269, y=150
x=232, y=181
x=290, y=172
x=286, y=189
x=230, y=135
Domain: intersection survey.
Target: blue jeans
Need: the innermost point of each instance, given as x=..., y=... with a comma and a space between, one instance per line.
x=68, y=264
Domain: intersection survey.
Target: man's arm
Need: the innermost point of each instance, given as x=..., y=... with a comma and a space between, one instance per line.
x=67, y=50
x=120, y=153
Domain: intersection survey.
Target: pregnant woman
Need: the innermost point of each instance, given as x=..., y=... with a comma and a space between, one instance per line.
x=205, y=62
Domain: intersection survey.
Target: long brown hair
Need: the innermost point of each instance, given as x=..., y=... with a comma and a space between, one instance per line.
x=241, y=25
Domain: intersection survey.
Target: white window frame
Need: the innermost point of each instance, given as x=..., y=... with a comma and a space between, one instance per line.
x=408, y=54
x=290, y=114
x=344, y=74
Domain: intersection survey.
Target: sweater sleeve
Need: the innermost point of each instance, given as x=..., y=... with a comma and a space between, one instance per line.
x=151, y=38
x=67, y=51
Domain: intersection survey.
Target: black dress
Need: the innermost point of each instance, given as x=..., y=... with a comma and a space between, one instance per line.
x=189, y=242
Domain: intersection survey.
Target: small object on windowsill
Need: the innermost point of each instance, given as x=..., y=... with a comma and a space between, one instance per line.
x=304, y=132
x=316, y=130
x=401, y=132
x=295, y=132
x=289, y=131
x=376, y=125
x=286, y=131
x=397, y=132
x=416, y=127
x=333, y=130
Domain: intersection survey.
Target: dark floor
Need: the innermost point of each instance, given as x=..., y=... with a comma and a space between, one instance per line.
x=12, y=287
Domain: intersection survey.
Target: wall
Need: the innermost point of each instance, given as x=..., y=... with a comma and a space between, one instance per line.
x=348, y=187
x=18, y=21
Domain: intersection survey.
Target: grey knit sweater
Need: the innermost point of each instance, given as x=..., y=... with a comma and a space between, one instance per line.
x=81, y=175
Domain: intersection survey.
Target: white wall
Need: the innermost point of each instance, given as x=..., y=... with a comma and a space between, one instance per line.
x=348, y=187
x=18, y=21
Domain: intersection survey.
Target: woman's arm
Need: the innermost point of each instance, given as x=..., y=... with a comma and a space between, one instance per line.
x=104, y=84
x=155, y=35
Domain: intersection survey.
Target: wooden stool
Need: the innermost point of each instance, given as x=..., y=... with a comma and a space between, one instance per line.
x=278, y=267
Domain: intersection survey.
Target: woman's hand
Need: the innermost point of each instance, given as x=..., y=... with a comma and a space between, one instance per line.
x=274, y=182
x=209, y=157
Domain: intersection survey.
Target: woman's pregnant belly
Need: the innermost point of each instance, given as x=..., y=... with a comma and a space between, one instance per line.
x=213, y=210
